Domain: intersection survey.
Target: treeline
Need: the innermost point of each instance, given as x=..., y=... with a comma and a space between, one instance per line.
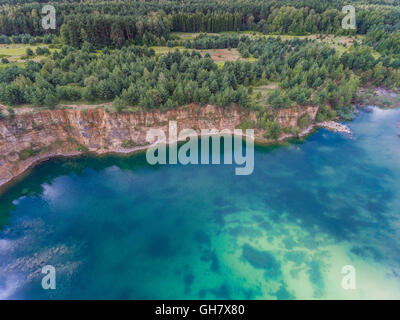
x=130, y=20
x=205, y=41
x=209, y=22
x=115, y=30
x=149, y=29
x=291, y=20
x=26, y=39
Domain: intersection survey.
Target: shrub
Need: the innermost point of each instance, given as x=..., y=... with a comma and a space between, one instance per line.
x=118, y=104
x=11, y=112
x=27, y=153
x=273, y=130
x=29, y=52
x=68, y=93
x=346, y=114
x=304, y=121
x=127, y=144
x=42, y=51
x=324, y=114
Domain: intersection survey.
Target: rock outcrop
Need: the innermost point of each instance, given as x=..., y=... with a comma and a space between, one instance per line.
x=27, y=139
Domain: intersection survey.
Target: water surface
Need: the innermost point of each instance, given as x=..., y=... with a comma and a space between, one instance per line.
x=116, y=227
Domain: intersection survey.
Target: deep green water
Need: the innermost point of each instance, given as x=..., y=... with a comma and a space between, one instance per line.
x=116, y=227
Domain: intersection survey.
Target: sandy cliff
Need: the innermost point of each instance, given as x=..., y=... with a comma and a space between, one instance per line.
x=27, y=139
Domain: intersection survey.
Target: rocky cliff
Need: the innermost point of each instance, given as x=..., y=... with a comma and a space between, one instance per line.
x=27, y=139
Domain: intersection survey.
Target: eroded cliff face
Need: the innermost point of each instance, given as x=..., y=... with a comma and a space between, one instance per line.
x=30, y=138
x=289, y=117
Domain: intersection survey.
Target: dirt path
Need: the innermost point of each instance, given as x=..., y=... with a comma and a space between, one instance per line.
x=26, y=109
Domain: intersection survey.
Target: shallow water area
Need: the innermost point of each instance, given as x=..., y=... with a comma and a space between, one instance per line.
x=117, y=228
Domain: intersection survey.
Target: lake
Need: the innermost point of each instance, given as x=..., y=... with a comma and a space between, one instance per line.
x=115, y=227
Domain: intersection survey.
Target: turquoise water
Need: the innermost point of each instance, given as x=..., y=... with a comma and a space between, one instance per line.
x=116, y=227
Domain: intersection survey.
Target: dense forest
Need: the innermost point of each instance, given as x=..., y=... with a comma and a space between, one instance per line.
x=132, y=19
x=151, y=22
x=102, y=51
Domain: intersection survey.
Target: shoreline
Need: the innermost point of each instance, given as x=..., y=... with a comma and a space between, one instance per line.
x=5, y=185
x=29, y=139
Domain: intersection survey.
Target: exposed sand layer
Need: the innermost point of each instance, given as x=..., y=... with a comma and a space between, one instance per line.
x=32, y=137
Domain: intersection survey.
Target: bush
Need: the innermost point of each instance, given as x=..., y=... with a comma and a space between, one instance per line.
x=69, y=93
x=42, y=51
x=324, y=114
x=29, y=52
x=273, y=130
x=27, y=153
x=118, y=104
x=11, y=112
x=346, y=113
x=50, y=100
x=48, y=38
x=4, y=39
x=127, y=144
x=304, y=121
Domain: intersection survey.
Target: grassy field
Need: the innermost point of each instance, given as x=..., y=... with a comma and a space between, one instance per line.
x=188, y=35
x=251, y=34
x=9, y=50
x=160, y=50
x=16, y=53
x=340, y=43
x=220, y=56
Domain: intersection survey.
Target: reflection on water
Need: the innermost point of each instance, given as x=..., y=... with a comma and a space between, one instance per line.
x=115, y=227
